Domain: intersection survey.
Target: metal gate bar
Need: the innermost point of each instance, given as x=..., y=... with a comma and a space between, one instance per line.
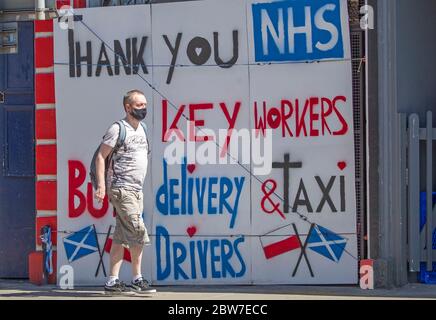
x=420, y=245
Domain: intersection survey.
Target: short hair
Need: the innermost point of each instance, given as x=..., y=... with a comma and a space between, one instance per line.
x=129, y=95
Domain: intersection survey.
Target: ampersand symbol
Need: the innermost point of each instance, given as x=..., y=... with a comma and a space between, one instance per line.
x=267, y=191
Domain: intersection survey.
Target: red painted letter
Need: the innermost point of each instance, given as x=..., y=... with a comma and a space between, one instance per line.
x=96, y=213
x=73, y=188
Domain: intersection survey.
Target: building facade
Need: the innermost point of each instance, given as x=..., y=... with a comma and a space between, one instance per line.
x=391, y=79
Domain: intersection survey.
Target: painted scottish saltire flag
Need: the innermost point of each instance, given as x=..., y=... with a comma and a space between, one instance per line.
x=326, y=243
x=81, y=243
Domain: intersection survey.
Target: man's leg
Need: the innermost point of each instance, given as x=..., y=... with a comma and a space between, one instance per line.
x=113, y=284
x=137, y=236
x=136, y=254
x=140, y=235
x=139, y=284
x=116, y=254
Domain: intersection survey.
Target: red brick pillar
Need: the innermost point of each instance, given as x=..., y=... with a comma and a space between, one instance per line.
x=45, y=137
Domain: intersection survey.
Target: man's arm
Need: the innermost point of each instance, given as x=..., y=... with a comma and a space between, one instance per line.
x=102, y=154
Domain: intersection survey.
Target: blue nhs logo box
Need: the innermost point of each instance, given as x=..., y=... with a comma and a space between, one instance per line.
x=298, y=30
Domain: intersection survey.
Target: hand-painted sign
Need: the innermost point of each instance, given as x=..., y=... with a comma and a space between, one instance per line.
x=215, y=222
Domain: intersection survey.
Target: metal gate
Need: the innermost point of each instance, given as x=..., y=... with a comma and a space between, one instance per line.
x=421, y=204
x=17, y=178
x=357, y=36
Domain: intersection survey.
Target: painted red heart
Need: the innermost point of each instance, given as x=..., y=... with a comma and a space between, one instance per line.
x=191, y=168
x=191, y=231
x=342, y=165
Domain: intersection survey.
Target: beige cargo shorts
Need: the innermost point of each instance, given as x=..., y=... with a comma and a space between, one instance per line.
x=129, y=228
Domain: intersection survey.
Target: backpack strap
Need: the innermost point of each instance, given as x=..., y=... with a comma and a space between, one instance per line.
x=119, y=144
x=121, y=136
x=144, y=126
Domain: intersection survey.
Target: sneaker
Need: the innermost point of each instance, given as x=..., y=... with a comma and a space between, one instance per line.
x=118, y=287
x=142, y=286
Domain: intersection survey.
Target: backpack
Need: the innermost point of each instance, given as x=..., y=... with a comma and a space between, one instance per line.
x=118, y=145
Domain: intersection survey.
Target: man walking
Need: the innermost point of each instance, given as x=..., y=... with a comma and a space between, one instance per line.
x=123, y=184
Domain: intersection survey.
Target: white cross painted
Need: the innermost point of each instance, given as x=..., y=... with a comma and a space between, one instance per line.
x=326, y=243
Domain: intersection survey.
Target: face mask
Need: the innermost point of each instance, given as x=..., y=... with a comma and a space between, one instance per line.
x=139, y=114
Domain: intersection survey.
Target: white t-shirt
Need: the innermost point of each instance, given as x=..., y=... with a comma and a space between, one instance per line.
x=129, y=164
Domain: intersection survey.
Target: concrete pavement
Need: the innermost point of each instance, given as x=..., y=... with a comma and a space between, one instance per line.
x=23, y=290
